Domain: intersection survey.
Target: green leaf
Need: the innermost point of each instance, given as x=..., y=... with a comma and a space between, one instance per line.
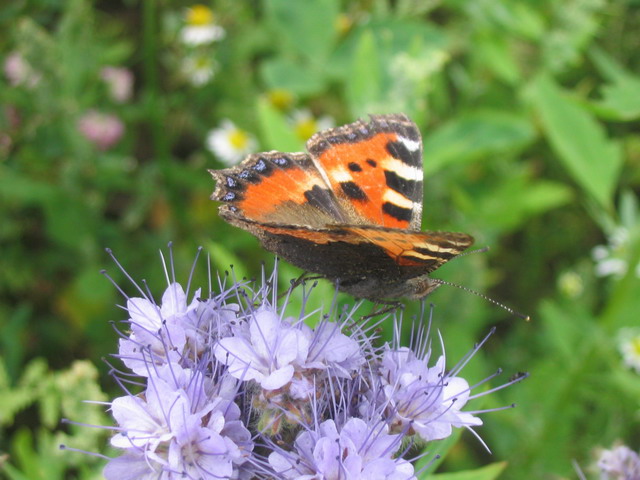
x=70, y=221
x=474, y=136
x=307, y=28
x=494, y=51
x=294, y=76
x=490, y=472
x=276, y=134
x=363, y=84
x=620, y=98
x=511, y=203
x=579, y=140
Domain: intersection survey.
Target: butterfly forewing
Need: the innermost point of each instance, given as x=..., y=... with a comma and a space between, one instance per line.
x=375, y=168
x=276, y=187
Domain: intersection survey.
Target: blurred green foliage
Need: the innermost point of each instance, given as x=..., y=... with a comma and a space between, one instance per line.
x=529, y=111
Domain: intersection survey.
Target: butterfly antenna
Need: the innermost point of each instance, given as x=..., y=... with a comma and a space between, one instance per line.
x=482, y=295
x=477, y=250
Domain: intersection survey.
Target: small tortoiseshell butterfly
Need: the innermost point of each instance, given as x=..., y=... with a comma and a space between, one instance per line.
x=349, y=210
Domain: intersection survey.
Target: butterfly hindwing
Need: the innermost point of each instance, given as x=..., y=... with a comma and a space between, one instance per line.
x=429, y=250
x=375, y=168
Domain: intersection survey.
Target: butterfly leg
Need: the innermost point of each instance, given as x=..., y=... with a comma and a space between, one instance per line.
x=301, y=280
x=386, y=307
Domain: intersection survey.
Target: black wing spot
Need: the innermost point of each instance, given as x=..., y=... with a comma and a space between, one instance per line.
x=353, y=191
x=400, y=184
x=372, y=162
x=401, y=152
x=322, y=199
x=399, y=213
x=354, y=167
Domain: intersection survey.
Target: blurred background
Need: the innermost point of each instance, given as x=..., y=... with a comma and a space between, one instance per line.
x=111, y=112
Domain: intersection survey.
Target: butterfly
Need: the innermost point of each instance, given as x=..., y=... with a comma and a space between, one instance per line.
x=349, y=210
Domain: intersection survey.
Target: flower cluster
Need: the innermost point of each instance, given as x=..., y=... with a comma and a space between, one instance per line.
x=227, y=385
x=198, y=33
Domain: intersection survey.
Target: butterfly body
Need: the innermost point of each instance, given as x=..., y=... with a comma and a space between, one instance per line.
x=349, y=210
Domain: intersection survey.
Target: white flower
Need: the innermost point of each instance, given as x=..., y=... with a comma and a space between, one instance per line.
x=199, y=69
x=201, y=28
x=629, y=346
x=611, y=259
x=305, y=124
x=230, y=143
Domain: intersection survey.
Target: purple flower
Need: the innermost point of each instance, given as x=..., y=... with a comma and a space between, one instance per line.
x=357, y=450
x=180, y=427
x=619, y=463
x=231, y=387
x=266, y=353
x=157, y=332
x=422, y=398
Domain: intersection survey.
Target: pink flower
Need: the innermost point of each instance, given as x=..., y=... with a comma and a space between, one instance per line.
x=119, y=81
x=19, y=71
x=101, y=129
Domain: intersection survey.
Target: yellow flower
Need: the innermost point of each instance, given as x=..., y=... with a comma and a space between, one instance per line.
x=280, y=98
x=199, y=15
x=305, y=124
